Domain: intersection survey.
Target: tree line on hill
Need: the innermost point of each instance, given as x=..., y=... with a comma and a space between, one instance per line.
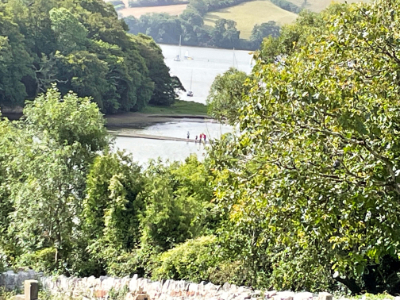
x=119, y=4
x=164, y=28
x=304, y=198
x=136, y=3
x=83, y=47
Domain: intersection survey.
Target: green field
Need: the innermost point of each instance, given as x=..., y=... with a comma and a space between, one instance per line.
x=248, y=14
x=319, y=5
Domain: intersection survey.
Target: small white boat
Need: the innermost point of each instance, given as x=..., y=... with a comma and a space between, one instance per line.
x=187, y=56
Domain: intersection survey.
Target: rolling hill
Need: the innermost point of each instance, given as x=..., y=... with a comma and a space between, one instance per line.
x=248, y=14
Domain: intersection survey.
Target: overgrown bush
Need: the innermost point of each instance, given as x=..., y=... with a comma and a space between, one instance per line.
x=41, y=260
x=194, y=260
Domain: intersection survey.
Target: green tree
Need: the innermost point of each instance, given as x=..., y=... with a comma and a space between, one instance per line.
x=294, y=36
x=177, y=199
x=192, y=17
x=80, y=45
x=57, y=141
x=84, y=73
x=111, y=208
x=225, y=34
x=199, y=5
x=15, y=61
x=165, y=86
x=259, y=32
x=225, y=97
x=318, y=158
x=69, y=32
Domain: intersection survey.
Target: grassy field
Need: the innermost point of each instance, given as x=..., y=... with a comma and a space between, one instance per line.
x=319, y=5
x=180, y=107
x=248, y=14
x=173, y=10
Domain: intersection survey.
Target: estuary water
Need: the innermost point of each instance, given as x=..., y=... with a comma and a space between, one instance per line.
x=197, y=74
x=145, y=149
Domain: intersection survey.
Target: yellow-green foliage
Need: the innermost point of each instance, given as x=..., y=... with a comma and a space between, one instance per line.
x=193, y=260
x=248, y=14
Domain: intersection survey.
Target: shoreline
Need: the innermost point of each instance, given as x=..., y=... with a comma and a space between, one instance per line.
x=137, y=120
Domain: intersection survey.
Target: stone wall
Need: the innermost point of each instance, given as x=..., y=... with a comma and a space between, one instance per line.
x=140, y=288
x=13, y=281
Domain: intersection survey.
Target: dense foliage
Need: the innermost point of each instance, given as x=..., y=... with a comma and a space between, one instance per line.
x=313, y=179
x=287, y=5
x=304, y=198
x=83, y=47
x=225, y=96
x=69, y=205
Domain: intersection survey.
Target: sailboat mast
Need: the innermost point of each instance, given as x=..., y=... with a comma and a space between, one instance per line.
x=180, y=43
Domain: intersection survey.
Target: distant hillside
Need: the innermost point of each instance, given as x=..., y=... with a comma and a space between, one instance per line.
x=135, y=8
x=248, y=14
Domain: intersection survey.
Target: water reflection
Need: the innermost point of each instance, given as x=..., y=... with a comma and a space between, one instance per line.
x=213, y=130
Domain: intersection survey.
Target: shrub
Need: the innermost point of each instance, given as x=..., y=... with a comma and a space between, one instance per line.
x=41, y=260
x=193, y=260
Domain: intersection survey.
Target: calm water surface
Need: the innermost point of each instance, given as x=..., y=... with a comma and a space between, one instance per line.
x=199, y=73
x=196, y=75
x=145, y=149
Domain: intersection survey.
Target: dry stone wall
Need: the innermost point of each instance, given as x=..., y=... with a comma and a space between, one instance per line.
x=144, y=289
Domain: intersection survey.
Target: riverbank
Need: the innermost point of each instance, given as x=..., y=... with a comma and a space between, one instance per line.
x=150, y=115
x=137, y=120
x=188, y=111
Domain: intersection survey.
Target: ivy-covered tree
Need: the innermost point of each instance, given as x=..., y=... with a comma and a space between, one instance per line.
x=111, y=209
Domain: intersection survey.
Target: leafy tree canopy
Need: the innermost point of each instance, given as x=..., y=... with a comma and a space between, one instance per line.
x=81, y=45
x=225, y=97
x=314, y=174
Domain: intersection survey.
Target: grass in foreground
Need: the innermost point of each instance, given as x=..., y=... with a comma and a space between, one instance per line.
x=180, y=107
x=248, y=14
